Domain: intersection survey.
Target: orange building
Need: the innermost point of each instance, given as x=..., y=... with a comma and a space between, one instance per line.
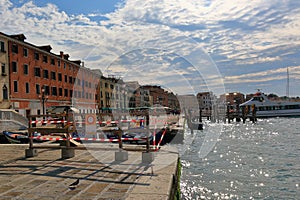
x=159, y=95
x=233, y=98
x=39, y=78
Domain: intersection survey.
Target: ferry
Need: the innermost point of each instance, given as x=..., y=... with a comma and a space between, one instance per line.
x=267, y=108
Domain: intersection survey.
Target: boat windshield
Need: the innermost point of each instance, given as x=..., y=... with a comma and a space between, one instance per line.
x=260, y=99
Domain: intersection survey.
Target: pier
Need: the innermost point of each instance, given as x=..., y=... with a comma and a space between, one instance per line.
x=59, y=165
x=99, y=176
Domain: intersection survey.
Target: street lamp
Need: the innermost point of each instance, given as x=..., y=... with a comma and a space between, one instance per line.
x=44, y=99
x=124, y=96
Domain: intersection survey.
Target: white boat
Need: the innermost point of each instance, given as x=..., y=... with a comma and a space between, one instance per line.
x=267, y=108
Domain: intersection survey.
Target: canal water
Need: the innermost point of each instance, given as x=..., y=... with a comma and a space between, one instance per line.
x=242, y=161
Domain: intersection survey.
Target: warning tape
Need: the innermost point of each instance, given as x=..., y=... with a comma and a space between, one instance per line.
x=49, y=121
x=161, y=138
x=99, y=122
x=85, y=139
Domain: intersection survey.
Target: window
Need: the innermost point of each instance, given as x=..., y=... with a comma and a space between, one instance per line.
x=78, y=81
x=53, y=75
x=58, y=63
x=27, y=87
x=45, y=73
x=25, y=69
x=71, y=93
x=66, y=92
x=25, y=52
x=70, y=79
x=37, y=89
x=59, y=77
x=47, y=89
x=64, y=65
x=15, y=86
x=14, y=48
x=5, y=92
x=66, y=78
x=36, y=56
x=52, y=61
x=2, y=46
x=54, y=91
x=14, y=67
x=3, y=71
x=60, y=91
x=37, y=72
x=45, y=58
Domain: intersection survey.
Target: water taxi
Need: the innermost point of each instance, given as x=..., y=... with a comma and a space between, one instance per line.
x=267, y=108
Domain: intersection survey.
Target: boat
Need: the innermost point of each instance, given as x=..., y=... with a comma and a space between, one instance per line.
x=20, y=137
x=263, y=107
x=16, y=137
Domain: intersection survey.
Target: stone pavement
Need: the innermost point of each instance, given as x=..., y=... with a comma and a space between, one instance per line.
x=47, y=176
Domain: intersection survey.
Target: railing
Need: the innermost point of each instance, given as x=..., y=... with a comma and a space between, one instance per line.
x=13, y=116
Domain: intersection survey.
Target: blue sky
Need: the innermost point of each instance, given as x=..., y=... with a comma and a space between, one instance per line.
x=184, y=45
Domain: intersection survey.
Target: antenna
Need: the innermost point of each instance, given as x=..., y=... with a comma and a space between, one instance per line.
x=287, y=82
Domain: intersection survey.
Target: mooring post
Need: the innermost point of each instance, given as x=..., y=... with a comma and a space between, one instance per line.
x=244, y=114
x=228, y=114
x=30, y=152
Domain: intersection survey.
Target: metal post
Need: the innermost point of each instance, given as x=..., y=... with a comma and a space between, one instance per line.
x=44, y=100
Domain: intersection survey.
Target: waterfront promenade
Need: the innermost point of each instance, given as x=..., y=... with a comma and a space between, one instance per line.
x=47, y=176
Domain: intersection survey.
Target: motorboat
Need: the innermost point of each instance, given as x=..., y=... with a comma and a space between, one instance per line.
x=267, y=108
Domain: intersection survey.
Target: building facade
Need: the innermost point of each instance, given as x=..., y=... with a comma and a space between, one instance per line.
x=33, y=78
x=233, y=98
x=4, y=79
x=39, y=78
x=159, y=95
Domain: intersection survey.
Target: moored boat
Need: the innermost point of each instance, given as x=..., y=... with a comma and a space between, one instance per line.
x=267, y=108
x=20, y=137
x=15, y=137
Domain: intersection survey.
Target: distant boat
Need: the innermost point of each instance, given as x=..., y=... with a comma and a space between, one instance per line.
x=266, y=108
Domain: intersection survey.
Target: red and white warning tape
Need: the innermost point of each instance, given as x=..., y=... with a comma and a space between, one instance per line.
x=99, y=122
x=43, y=138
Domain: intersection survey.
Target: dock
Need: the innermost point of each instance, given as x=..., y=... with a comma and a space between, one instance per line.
x=93, y=173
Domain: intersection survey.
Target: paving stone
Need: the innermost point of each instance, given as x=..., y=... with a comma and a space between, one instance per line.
x=47, y=176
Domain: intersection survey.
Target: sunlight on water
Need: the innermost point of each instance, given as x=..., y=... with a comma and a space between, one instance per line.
x=248, y=161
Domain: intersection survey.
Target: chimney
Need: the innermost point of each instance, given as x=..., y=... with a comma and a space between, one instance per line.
x=66, y=56
x=20, y=37
x=47, y=48
x=61, y=53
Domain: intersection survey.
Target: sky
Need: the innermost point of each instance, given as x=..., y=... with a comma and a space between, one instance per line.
x=186, y=46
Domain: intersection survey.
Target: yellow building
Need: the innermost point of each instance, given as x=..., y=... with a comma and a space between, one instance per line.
x=4, y=76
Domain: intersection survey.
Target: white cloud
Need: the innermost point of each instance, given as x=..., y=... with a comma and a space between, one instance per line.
x=239, y=32
x=264, y=76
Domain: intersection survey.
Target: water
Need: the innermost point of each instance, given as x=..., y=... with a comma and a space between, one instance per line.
x=243, y=161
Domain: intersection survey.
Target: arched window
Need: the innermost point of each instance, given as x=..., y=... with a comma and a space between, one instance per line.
x=5, y=92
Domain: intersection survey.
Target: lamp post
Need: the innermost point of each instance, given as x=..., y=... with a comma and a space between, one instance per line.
x=124, y=96
x=44, y=99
